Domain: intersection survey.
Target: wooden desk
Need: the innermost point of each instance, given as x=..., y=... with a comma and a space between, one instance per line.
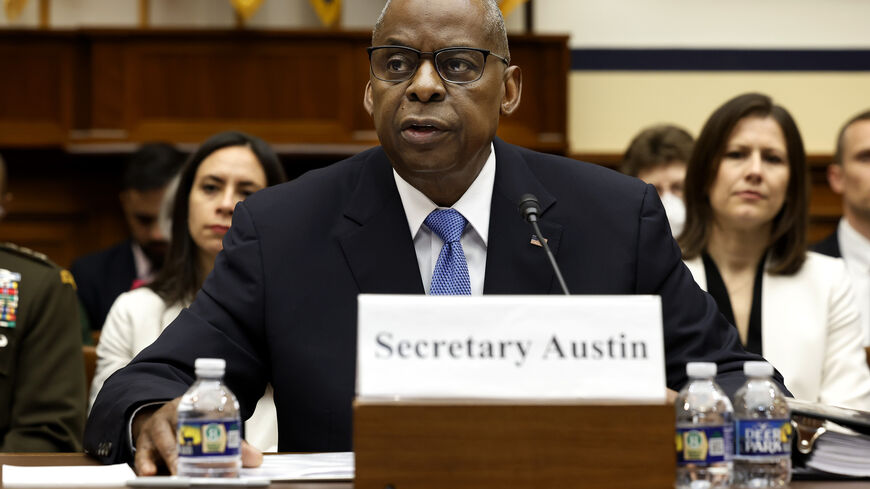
x=82, y=459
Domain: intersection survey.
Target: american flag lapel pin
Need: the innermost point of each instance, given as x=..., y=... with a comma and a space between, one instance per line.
x=537, y=242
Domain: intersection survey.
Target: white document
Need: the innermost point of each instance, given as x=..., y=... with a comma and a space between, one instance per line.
x=510, y=347
x=337, y=466
x=67, y=476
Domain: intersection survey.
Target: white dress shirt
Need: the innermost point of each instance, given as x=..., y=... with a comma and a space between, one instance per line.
x=855, y=249
x=142, y=263
x=474, y=207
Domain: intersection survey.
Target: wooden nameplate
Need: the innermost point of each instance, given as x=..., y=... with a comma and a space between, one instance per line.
x=472, y=444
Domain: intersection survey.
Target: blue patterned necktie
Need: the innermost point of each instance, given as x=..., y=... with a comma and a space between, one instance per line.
x=450, y=276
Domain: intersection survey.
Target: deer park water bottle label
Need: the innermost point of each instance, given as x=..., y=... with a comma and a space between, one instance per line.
x=208, y=438
x=704, y=444
x=763, y=437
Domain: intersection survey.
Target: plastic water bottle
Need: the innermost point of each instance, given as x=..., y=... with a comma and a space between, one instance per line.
x=209, y=427
x=704, y=435
x=762, y=420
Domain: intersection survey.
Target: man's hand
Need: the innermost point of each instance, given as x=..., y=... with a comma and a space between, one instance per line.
x=671, y=396
x=157, y=446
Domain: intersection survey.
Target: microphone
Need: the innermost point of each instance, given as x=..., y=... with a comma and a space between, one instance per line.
x=529, y=209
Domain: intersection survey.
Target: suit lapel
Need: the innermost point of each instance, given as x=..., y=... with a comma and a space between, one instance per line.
x=513, y=264
x=375, y=239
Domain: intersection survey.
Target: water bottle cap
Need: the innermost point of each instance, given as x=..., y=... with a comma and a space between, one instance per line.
x=701, y=370
x=757, y=369
x=210, y=366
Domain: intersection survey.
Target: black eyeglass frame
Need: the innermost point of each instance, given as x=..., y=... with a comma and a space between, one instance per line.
x=486, y=53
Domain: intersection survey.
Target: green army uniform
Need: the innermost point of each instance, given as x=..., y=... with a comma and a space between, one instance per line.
x=42, y=378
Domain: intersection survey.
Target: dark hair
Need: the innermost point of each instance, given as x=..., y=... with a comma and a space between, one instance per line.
x=788, y=236
x=152, y=166
x=657, y=146
x=180, y=277
x=3, y=177
x=838, y=154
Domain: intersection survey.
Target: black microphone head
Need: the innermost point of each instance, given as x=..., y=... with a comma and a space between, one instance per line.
x=529, y=206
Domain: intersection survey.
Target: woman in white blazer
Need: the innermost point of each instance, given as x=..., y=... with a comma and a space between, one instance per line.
x=745, y=243
x=227, y=168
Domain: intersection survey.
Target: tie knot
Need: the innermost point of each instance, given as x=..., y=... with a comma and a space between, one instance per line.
x=448, y=224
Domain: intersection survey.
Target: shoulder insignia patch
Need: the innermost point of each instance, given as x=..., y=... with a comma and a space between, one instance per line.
x=8, y=297
x=27, y=253
x=67, y=278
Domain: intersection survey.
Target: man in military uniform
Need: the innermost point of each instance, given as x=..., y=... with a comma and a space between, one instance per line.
x=42, y=378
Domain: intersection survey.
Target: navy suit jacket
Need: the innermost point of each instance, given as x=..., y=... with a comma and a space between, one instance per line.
x=101, y=277
x=829, y=246
x=280, y=305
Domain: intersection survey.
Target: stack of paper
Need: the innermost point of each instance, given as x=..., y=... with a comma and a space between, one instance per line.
x=841, y=453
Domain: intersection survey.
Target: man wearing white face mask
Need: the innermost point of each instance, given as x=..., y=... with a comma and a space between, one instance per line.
x=658, y=156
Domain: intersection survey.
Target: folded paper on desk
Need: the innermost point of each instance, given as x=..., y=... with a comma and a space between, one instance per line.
x=843, y=442
x=337, y=466
x=65, y=476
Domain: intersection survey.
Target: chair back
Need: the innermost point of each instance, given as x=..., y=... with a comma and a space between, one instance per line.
x=90, y=357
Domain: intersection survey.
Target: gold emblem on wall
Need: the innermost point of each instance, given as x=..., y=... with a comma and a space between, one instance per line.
x=246, y=8
x=327, y=10
x=13, y=9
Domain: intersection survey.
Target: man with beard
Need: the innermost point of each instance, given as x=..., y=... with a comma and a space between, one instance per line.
x=104, y=275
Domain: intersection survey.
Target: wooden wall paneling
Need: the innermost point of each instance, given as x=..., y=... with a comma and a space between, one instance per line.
x=107, y=88
x=36, y=88
x=540, y=122
x=64, y=205
x=285, y=92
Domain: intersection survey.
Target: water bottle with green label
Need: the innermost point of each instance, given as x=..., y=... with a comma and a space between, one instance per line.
x=209, y=426
x=704, y=431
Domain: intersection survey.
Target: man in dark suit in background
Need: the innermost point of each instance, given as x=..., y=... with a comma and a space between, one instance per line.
x=849, y=176
x=280, y=305
x=104, y=275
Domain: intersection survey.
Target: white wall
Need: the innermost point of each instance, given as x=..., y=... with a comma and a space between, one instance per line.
x=29, y=17
x=216, y=14
x=707, y=23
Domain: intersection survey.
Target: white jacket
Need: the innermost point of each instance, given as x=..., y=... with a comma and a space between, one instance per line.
x=810, y=331
x=135, y=320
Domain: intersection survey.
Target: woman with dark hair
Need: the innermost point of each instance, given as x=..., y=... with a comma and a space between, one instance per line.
x=745, y=242
x=226, y=169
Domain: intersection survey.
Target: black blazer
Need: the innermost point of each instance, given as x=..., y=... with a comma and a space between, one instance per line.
x=280, y=305
x=101, y=277
x=829, y=246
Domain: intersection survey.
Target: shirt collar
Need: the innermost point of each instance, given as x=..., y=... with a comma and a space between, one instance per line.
x=854, y=247
x=141, y=262
x=473, y=205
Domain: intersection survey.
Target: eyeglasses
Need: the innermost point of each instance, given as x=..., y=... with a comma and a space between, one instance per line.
x=455, y=65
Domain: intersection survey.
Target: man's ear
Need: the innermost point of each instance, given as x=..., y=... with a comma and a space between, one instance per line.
x=368, y=103
x=835, y=178
x=513, y=90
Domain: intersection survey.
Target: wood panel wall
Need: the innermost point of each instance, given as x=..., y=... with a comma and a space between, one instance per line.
x=305, y=87
x=74, y=103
